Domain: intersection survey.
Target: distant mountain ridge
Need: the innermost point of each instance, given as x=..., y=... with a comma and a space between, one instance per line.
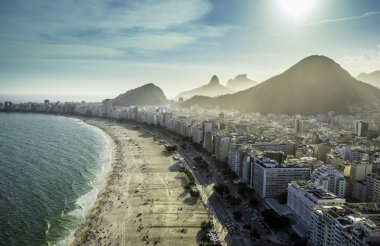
x=240, y=83
x=212, y=89
x=370, y=78
x=314, y=85
x=148, y=94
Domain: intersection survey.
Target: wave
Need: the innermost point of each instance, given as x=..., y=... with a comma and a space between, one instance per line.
x=84, y=203
x=47, y=232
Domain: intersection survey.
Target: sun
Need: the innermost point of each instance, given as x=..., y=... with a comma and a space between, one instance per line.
x=296, y=9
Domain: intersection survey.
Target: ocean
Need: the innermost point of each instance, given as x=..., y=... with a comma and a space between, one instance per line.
x=51, y=170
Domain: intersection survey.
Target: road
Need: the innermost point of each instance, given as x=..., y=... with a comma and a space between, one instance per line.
x=235, y=234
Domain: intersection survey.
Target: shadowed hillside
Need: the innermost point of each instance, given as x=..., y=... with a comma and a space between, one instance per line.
x=212, y=89
x=314, y=85
x=240, y=82
x=370, y=78
x=148, y=94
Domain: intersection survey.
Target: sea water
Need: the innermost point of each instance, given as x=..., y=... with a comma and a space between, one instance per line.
x=51, y=170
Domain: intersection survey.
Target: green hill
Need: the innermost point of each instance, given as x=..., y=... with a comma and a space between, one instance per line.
x=148, y=94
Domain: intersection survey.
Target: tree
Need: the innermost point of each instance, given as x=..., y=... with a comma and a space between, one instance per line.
x=206, y=225
x=243, y=190
x=194, y=193
x=222, y=189
x=171, y=148
x=247, y=227
x=238, y=215
x=254, y=233
x=234, y=201
x=254, y=201
x=202, y=165
x=275, y=220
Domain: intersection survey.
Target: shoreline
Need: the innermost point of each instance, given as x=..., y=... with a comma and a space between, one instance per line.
x=101, y=183
x=115, y=148
x=128, y=211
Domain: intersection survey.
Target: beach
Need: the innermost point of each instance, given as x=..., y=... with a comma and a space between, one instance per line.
x=144, y=201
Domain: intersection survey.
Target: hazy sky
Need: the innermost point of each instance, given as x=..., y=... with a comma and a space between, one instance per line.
x=106, y=47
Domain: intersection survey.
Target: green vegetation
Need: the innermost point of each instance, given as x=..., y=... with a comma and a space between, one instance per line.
x=229, y=174
x=247, y=227
x=170, y=148
x=275, y=220
x=238, y=215
x=200, y=162
x=148, y=94
x=197, y=146
x=183, y=145
x=205, y=239
x=222, y=189
x=206, y=225
x=254, y=234
x=233, y=201
x=194, y=192
x=190, y=177
x=254, y=202
x=243, y=190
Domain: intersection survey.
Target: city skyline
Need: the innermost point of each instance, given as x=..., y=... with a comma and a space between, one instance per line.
x=55, y=48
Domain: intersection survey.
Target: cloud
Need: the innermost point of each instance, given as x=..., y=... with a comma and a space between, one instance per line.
x=111, y=28
x=57, y=51
x=349, y=18
x=366, y=62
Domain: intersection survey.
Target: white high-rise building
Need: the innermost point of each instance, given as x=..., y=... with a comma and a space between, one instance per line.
x=208, y=142
x=247, y=172
x=373, y=188
x=208, y=138
x=303, y=197
x=235, y=158
x=361, y=128
x=197, y=135
x=342, y=226
x=271, y=179
x=330, y=179
x=221, y=147
x=107, y=107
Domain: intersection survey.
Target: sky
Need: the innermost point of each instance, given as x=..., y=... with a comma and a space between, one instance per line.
x=93, y=49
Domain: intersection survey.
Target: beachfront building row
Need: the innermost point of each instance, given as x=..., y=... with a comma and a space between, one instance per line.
x=327, y=220
x=342, y=225
x=303, y=197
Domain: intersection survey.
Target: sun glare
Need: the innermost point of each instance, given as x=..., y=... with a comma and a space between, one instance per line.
x=296, y=9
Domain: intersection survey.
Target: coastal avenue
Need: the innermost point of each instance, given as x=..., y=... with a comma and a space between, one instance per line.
x=217, y=206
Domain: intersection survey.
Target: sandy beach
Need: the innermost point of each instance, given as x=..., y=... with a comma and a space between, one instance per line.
x=144, y=201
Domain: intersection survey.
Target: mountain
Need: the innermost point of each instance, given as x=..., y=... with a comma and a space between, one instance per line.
x=212, y=89
x=240, y=82
x=148, y=94
x=370, y=78
x=314, y=85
